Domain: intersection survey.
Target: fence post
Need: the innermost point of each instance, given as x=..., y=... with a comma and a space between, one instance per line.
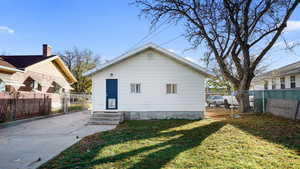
x=263, y=100
x=14, y=105
x=65, y=103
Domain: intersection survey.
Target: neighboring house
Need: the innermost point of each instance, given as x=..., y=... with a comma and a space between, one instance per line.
x=44, y=73
x=150, y=83
x=286, y=77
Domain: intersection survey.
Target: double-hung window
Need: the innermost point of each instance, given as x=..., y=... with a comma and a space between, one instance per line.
x=36, y=86
x=266, y=84
x=282, y=82
x=135, y=88
x=293, y=81
x=273, y=83
x=171, y=88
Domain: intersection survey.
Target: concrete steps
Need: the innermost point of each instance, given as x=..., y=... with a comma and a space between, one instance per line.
x=106, y=118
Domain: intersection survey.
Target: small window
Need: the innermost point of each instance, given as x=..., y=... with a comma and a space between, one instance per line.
x=2, y=86
x=266, y=84
x=273, y=83
x=56, y=87
x=36, y=86
x=293, y=81
x=171, y=88
x=135, y=88
x=282, y=82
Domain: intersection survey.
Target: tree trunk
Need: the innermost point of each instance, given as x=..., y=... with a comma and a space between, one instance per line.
x=243, y=99
x=243, y=95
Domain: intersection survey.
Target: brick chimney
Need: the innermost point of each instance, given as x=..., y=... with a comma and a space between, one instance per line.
x=47, y=50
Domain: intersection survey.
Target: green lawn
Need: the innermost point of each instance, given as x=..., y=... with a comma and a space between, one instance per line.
x=248, y=142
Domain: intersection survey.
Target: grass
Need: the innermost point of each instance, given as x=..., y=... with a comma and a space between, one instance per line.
x=73, y=108
x=252, y=141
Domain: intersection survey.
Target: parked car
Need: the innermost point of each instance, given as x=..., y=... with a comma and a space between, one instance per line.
x=216, y=100
x=231, y=100
x=228, y=100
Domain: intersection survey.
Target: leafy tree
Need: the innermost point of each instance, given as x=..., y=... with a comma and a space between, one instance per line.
x=240, y=32
x=79, y=62
x=219, y=86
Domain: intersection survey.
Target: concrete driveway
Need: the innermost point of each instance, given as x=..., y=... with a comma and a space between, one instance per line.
x=22, y=145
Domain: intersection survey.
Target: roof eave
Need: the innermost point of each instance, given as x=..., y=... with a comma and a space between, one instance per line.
x=66, y=70
x=9, y=69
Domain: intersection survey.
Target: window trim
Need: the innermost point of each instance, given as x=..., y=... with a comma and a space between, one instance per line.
x=266, y=84
x=273, y=83
x=293, y=82
x=135, y=88
x=36, y=86
x=171, y=88
x=282, y=82
x=4, y=86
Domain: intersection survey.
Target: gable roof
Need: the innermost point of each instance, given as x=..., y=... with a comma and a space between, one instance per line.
x=289, y=69
x=21, y=62
x=7, y=67
x=172, y=55
x=61, y=65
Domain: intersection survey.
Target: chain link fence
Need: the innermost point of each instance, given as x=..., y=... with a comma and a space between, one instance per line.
x=284, y=102
x=279, y=102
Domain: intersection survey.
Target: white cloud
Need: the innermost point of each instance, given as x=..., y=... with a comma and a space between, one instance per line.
x=6, y=29
x=292, y=26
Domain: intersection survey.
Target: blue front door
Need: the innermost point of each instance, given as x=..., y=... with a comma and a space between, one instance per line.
x=111, y=93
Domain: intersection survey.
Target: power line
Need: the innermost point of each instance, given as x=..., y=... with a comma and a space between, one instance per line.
x=151, y=34
x=171, y=40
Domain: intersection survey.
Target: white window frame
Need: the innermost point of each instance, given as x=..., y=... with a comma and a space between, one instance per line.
x=171, y=88
x=36, y=86
x=266, y=84
x=2, y=86
x=57, y=88
x=282, y=82
x=135, y=88
x=293, y=80
x=273, y=83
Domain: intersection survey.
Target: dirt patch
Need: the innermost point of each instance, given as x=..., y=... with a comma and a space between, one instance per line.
x=219, y=113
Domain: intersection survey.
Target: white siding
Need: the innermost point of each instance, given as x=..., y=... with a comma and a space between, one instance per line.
x=153, y=72
x=260, y=84
x=297, y=80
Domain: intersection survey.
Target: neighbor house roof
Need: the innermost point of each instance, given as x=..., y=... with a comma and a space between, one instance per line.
x=290, y=69
x=172, y=55
x=21, y=62
x=7, y=67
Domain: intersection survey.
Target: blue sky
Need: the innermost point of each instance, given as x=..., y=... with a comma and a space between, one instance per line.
x=109, y=28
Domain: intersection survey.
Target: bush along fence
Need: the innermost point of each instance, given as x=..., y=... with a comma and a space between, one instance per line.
x=284, y=103
x=23, y=105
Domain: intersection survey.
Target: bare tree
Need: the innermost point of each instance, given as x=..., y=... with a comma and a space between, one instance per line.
x=235, y=31
x=79, y=62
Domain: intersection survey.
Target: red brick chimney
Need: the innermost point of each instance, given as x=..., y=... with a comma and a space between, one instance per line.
x=47, y=50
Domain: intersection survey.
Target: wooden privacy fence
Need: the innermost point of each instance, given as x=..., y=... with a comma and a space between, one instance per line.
x=23, y=105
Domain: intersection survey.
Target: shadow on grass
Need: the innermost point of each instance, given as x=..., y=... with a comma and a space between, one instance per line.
x=171, y=137
x=141, y=130
x=273, y=129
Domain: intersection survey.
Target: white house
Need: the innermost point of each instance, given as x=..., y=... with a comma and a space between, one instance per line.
x=286, y=77
x=150, y=83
